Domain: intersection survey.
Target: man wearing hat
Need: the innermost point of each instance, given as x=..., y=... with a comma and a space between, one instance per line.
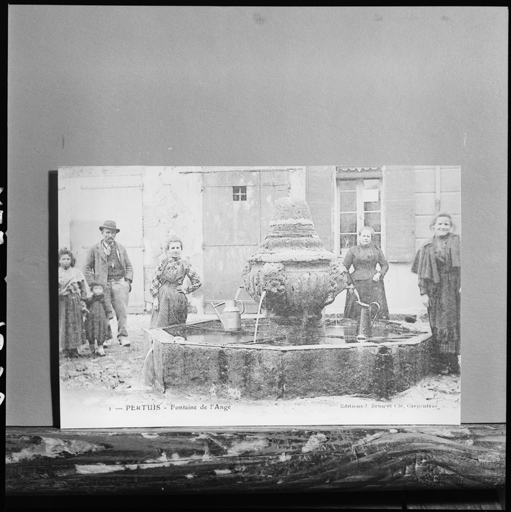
x=107, y=262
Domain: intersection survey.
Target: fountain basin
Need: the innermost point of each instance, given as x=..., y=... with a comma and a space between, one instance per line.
x=203, y=360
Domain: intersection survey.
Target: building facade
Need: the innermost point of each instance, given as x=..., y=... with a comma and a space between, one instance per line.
x=222, y=215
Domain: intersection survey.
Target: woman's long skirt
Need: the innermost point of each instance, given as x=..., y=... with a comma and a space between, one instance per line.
x=444, y=319
x=444, y=313
x=369, y=291
x=70, y=322
x=173, y=307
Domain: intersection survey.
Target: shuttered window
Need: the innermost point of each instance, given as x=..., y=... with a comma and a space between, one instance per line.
x=359, y=204
x=320, y=194
x=399, y=202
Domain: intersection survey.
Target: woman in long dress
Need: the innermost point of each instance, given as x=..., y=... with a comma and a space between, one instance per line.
x=170, y=305
x=369, y=268
x=72, y=292
x=438, y=266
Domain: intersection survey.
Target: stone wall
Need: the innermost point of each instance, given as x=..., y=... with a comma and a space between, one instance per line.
x=172, y=205
x=269, y=372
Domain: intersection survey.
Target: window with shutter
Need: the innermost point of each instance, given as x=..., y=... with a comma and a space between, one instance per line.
x=320, y=194
x=359, y=201
x=399, y=204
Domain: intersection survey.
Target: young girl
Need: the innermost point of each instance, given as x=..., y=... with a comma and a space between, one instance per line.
x=170, y=305
x=438, y=267
x=97, y=325
x=72, y=292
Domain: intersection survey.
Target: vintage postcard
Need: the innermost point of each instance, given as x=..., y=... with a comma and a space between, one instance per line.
x=259, y=296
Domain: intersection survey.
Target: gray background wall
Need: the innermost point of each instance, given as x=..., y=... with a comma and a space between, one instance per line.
x=161, y=86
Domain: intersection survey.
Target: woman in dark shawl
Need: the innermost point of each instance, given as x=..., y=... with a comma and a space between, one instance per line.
x=369, y=268
x=437, y=264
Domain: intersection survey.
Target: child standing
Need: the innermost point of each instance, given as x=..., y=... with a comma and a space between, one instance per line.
x=72, y=293
x=97, y=325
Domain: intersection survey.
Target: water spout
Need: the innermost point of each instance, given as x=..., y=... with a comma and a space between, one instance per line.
x=258, y=313
x=241, y=287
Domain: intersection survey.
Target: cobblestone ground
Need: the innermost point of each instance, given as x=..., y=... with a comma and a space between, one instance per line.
x=119, y=369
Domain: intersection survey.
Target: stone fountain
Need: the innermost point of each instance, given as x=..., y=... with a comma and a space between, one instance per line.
x=292, y=352
x=293, y=274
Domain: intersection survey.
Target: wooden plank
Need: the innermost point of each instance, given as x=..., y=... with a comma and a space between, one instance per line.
x=50, y=461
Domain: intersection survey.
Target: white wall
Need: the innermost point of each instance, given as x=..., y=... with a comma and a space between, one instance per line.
x=173, y=206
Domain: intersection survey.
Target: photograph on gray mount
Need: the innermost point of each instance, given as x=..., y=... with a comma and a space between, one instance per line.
x=253, y=296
